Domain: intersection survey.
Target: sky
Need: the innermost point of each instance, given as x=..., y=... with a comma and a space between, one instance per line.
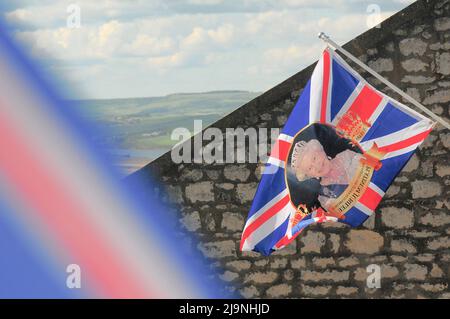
x=136, y=48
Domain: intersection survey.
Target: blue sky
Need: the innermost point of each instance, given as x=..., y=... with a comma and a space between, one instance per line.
x=134, y=48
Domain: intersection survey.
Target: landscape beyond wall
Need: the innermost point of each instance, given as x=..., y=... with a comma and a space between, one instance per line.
x=409, y=236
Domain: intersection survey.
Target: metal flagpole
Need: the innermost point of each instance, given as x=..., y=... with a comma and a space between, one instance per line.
x=327, y=39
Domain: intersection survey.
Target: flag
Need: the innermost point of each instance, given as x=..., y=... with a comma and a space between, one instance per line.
x=69, y=226
x=339, y=151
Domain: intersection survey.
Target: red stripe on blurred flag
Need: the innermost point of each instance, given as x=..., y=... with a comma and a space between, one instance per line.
x=62, y=214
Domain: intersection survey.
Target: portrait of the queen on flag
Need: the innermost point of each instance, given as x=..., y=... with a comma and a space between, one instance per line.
x=339, y=151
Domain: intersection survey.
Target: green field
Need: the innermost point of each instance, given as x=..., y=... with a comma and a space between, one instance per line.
x=146, y=123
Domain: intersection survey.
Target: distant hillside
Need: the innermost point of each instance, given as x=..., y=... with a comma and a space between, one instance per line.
x=145, y=124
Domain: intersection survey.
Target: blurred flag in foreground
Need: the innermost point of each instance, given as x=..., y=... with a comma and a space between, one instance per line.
x=64, y=214
x=341, y=148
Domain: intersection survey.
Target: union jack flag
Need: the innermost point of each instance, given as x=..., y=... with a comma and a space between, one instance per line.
x=336, y=96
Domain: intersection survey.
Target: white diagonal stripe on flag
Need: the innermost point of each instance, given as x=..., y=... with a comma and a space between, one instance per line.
x=330, y=91
x=402, y=151
x=349, y=102
x=286, y=138
x=366, y=210
x=397, y=136
x=376, y=189
x=276, y=162
x=315, y=99
x=268, y=227
x=378, y=110
x=261, y=211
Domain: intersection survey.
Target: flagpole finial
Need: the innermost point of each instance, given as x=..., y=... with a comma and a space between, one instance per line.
x=323, y=36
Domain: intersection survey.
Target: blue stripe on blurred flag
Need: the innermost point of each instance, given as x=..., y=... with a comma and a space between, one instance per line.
x=25, y=269
x=150, y=213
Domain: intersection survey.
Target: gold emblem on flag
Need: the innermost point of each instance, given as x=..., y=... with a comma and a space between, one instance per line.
x=300, y=213
x=351, y=126
x=370, y=162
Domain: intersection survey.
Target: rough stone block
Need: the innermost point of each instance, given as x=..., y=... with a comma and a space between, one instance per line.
x=436, y=219
x=439, y=243
x=441, y=96
x=436, y=272
x=443, y=63
x=312, y=242
x=246, y=192
x=191, y=221
x=442, y=24
x=403, y=246
x=389, y=271
x=411, y=46
x=237, y=173
x=418, y=79
x=239, y=265
x=382, y=65
x=315, y=291
x=277, y=291
x=346, y=291
x=442, y=170
x=232, y=221
x=175, y=194
x=364, y=241
x=414, y=65
x=261, y=277
x=193, y=175
x=229, y=276
x=249, y=292
x=348, y=262
x=200, y=192
x=298, y=263
x=218, y=249
x=279, y=263
x=394, y=217
x=415, y=272
x=425, y=189
x=412, y=164
x=335, y=242
x=320, y=262
x=328, y=275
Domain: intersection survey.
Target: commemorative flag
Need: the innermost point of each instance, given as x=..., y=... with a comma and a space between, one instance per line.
x=338, y=153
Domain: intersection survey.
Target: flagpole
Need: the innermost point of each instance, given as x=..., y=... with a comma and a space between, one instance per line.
x=327, y=39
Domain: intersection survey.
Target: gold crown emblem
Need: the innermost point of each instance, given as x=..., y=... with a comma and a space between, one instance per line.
x=351, y=126
x=301, y=212
x=373, y=157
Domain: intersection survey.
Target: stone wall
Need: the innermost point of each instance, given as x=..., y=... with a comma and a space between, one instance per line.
x=409, y=234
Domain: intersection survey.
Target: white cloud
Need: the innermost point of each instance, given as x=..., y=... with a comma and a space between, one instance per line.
x=205, y=2
x=197, y=37
x=223, y=34
x=251, y=44
x=19, y=16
